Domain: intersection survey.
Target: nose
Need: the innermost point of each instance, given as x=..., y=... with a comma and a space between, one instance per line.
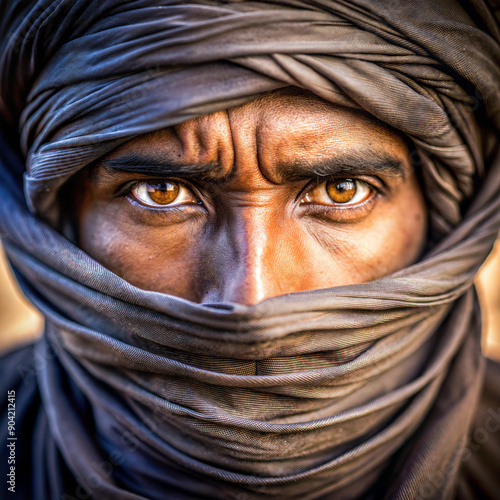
x=255, y=256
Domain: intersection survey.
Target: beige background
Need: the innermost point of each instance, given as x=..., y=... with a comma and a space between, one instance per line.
x=20, y=321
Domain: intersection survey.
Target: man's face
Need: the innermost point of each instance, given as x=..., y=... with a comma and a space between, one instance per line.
x=284, y=194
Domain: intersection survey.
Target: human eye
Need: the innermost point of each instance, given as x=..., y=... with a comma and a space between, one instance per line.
x=163, y=194
x=343, y=192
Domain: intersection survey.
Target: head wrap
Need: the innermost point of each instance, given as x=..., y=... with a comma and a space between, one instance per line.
x=359, y=391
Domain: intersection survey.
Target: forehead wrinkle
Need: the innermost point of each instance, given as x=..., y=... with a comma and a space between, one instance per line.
x=207, y=140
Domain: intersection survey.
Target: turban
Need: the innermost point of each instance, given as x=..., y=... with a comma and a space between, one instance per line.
x=360, y=391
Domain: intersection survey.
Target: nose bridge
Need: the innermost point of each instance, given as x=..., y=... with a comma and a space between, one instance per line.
x=251, y=275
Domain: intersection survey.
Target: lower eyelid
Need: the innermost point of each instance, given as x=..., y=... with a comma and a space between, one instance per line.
x=170, y=214
x=341, y=213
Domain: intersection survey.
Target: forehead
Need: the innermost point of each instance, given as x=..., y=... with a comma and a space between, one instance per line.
x=287, y=112
x=281, y=129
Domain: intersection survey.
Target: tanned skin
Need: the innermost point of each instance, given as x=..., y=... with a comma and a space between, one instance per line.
x=284, y=194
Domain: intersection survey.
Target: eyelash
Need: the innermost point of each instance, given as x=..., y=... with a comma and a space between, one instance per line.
x=127, y=187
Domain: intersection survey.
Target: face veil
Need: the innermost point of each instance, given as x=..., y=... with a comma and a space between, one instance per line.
x=360, y=391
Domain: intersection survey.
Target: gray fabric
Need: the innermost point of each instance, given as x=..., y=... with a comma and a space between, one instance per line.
x=359, y=391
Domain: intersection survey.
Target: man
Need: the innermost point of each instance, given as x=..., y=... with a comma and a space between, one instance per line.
x=253, y=229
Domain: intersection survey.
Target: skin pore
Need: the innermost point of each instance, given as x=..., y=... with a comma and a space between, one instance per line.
x=284, y=194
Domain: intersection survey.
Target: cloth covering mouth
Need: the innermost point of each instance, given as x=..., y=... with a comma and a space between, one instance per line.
x=361, y=391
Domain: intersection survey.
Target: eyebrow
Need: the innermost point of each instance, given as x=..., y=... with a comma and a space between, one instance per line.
x=349, y=164
x=161, y=167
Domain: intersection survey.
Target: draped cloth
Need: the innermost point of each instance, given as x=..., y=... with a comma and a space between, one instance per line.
x=362, y=391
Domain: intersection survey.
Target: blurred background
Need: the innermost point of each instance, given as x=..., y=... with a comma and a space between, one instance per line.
x=20, y=321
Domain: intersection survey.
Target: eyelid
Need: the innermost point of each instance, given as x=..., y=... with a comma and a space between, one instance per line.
x=128, y=186
x=311, y=186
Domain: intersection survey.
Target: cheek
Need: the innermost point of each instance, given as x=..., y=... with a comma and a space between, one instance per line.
x=395, y=236
x=151, y=257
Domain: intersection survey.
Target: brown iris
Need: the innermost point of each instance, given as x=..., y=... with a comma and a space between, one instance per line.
x=163, y=193
x=341, y=190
